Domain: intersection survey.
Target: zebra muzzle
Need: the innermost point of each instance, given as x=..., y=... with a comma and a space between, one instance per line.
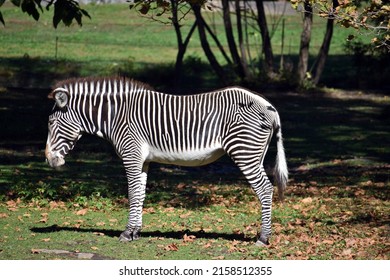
x=53, y=161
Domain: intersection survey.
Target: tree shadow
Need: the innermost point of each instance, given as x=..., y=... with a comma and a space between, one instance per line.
x=155, y=234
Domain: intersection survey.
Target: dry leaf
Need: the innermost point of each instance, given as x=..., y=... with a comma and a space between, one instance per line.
x=98, y=233
x=171, y=247
x=185, y=216
x=149, y=210
x=46, y=239
x=3, y=215
x=94, y=248
x=189, y=238
x=169, y=209
x=82, y=212
x=35, y=251
x=307, y=200
x=181, y=186
x=347, y=252
x=45, y=217
x=330, y=242
x=100, y=224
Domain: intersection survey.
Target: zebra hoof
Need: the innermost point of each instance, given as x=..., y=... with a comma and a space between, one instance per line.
x=128, y=236
x=262, y=242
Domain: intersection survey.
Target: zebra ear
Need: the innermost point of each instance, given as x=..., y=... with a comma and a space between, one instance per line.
x=61, y=98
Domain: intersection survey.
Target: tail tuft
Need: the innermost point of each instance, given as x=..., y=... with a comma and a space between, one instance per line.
x=281, y=170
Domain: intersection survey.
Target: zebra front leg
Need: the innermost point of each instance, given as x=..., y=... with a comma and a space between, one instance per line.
x=137, y=186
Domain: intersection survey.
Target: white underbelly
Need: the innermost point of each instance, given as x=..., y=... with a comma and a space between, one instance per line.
x=183, y=158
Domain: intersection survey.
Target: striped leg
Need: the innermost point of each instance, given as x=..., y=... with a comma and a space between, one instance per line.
x=262, y=186
x=137, y=178
x=264, y=191
x=249, y=158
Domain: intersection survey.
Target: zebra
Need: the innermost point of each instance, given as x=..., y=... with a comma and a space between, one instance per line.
x=146, y=126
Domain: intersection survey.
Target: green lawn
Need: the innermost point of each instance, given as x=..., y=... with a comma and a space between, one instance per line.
x=117, y=33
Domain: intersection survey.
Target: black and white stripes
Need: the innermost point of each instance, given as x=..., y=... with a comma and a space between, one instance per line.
x=144, y=126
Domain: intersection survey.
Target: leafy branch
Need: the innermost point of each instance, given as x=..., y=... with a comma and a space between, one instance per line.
x=64, y=10
x=371, y=17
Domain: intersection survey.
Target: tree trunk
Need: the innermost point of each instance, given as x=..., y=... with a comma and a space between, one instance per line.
x=267, y=47
x=219, y=45
x=205, y=45
x=244, y=60
x=181, y=45
x=230, y=39
x=305, y=41
x=323, y=54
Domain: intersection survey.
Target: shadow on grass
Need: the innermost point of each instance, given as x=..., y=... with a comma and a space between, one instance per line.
x=165, y=234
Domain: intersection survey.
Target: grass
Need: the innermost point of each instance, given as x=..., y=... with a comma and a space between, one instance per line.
x=116, y=33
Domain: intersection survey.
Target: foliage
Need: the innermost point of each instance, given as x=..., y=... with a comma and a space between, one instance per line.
x=64, y=10
x=370, y=17
x=159, y=8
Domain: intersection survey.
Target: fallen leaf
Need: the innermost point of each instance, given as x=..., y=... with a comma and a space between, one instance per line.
x=98, y=233
x=208, y=245
x=307, y=200
x=169, y=209
x=149, y=210
x=327, y=241
x=347, y=252
x=181, y=186
x=185, y=216
x=35, y=251
x=3, y=215
x=94, y=248
x=171, y=247
x=82, y=212
x=100, y=224
x=45, y=217
x=219, y=258
x=189, y=238
x=46, y=239
x=359, y=192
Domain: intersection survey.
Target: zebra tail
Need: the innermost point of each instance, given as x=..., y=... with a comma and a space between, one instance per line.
x=281, y=170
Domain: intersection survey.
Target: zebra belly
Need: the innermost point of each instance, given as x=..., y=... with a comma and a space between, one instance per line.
x=183, y=158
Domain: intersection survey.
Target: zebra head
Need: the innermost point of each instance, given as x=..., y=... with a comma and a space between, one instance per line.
x=64, y=129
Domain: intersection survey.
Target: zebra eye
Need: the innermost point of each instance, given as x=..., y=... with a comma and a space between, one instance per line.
x=51, y=122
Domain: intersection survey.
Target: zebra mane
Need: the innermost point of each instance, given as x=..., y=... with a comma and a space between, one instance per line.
x=74, y=84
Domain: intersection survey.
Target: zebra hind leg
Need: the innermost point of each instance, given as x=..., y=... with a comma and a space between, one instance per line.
x=264, y=191
x=258, y=179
